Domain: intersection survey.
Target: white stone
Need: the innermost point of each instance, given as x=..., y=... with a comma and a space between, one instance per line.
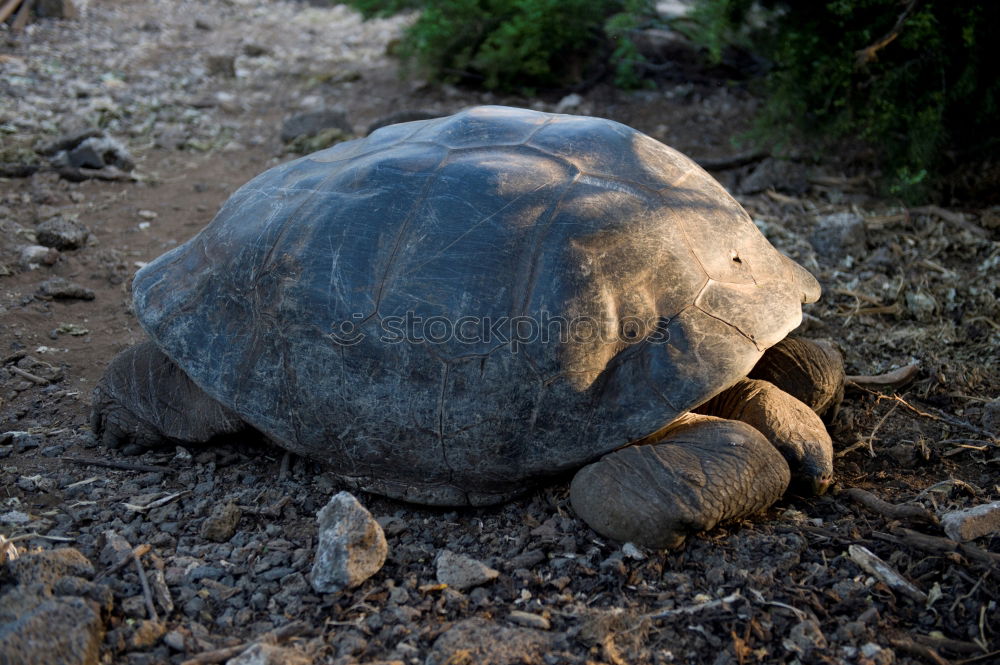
x=972, y=523
x=351, y=546
x=461, y=572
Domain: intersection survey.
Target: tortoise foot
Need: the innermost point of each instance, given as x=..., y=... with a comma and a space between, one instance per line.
x=144, y=400
x=704, y=471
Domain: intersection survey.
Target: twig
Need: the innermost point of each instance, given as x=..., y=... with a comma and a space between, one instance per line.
x=8, y=550
x=274, y=510
x=42, y=536
x=8, y=9
x=611, y=651
x=889, y=510
x=854, y=446
x=157, y=503
x=892, y=379
x=29, y=376
x=983, y=658
x=697, y=607
x=955, y=646
x=146, y=593
x=939, y=544
x=868, y=54
x=799, y=614
x=971, y=490
x=909, y=646
x=885, y=573
x=125, y=466
x=137, y=551
x=22, y=16
x=278, y=634
x=956, y=218
x=936, y=415
x=858, y=296
x=878, y=426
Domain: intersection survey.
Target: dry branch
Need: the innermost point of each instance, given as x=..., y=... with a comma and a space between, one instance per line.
x=890, y=510
x=885, y=573
x=870, y=52
x=292, y=629
x=893, y=379
x=698, y=607
x=22, y=16
x=939, y=545
x=147, y=594
x=908, y=645
x=7, y=9
x=125, y=466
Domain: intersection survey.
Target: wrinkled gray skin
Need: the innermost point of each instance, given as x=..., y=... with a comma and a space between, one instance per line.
x=283, y=314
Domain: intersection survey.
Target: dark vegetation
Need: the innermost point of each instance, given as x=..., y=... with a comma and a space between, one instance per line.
x=917, y=81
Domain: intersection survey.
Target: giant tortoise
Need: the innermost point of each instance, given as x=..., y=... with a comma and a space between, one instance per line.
x=453, y=310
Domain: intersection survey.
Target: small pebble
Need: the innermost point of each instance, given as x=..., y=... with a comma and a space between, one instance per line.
x=528, y=619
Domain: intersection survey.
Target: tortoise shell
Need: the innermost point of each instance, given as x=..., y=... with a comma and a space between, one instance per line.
x=450, y=310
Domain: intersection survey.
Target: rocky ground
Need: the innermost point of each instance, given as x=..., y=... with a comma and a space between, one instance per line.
x=204, y=555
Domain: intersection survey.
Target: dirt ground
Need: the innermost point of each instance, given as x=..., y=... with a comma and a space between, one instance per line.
x=197, y=92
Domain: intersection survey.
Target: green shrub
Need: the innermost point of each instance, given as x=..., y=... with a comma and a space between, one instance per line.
x=918, y=80
x=518, y=45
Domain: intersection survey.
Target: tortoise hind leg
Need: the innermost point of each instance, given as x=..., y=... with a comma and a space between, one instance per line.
x=808, y=370
x=145, y=400
x=703, y=471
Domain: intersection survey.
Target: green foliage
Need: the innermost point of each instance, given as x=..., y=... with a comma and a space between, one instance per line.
x=626, y=57
x=916, y=79
x=518, y=45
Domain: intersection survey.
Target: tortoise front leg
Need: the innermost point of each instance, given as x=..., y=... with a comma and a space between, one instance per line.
x=145, y=400
x=703, y=471
x=790, y=425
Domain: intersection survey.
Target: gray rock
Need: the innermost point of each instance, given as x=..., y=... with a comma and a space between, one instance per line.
x=838, y=235
x=22, y=440
x=527, y=559
x=806, y=637
x=254, y=50
x=314, y=122
x=33, y=256
x=921, y=305
x=14, y=517
x=63, y=289
x=221, y=525
x=972, y=523
x=38, y=624
x=53, y=630
x=69, y=140
x=114, y=548
x=461, y=572
x=569, y=103
x=269, y=654
x=778, y=174
x=221, y=65
x=98, y=152
x=351, y=546
x=62, y=233
x=529, y=620
x=48, y=566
